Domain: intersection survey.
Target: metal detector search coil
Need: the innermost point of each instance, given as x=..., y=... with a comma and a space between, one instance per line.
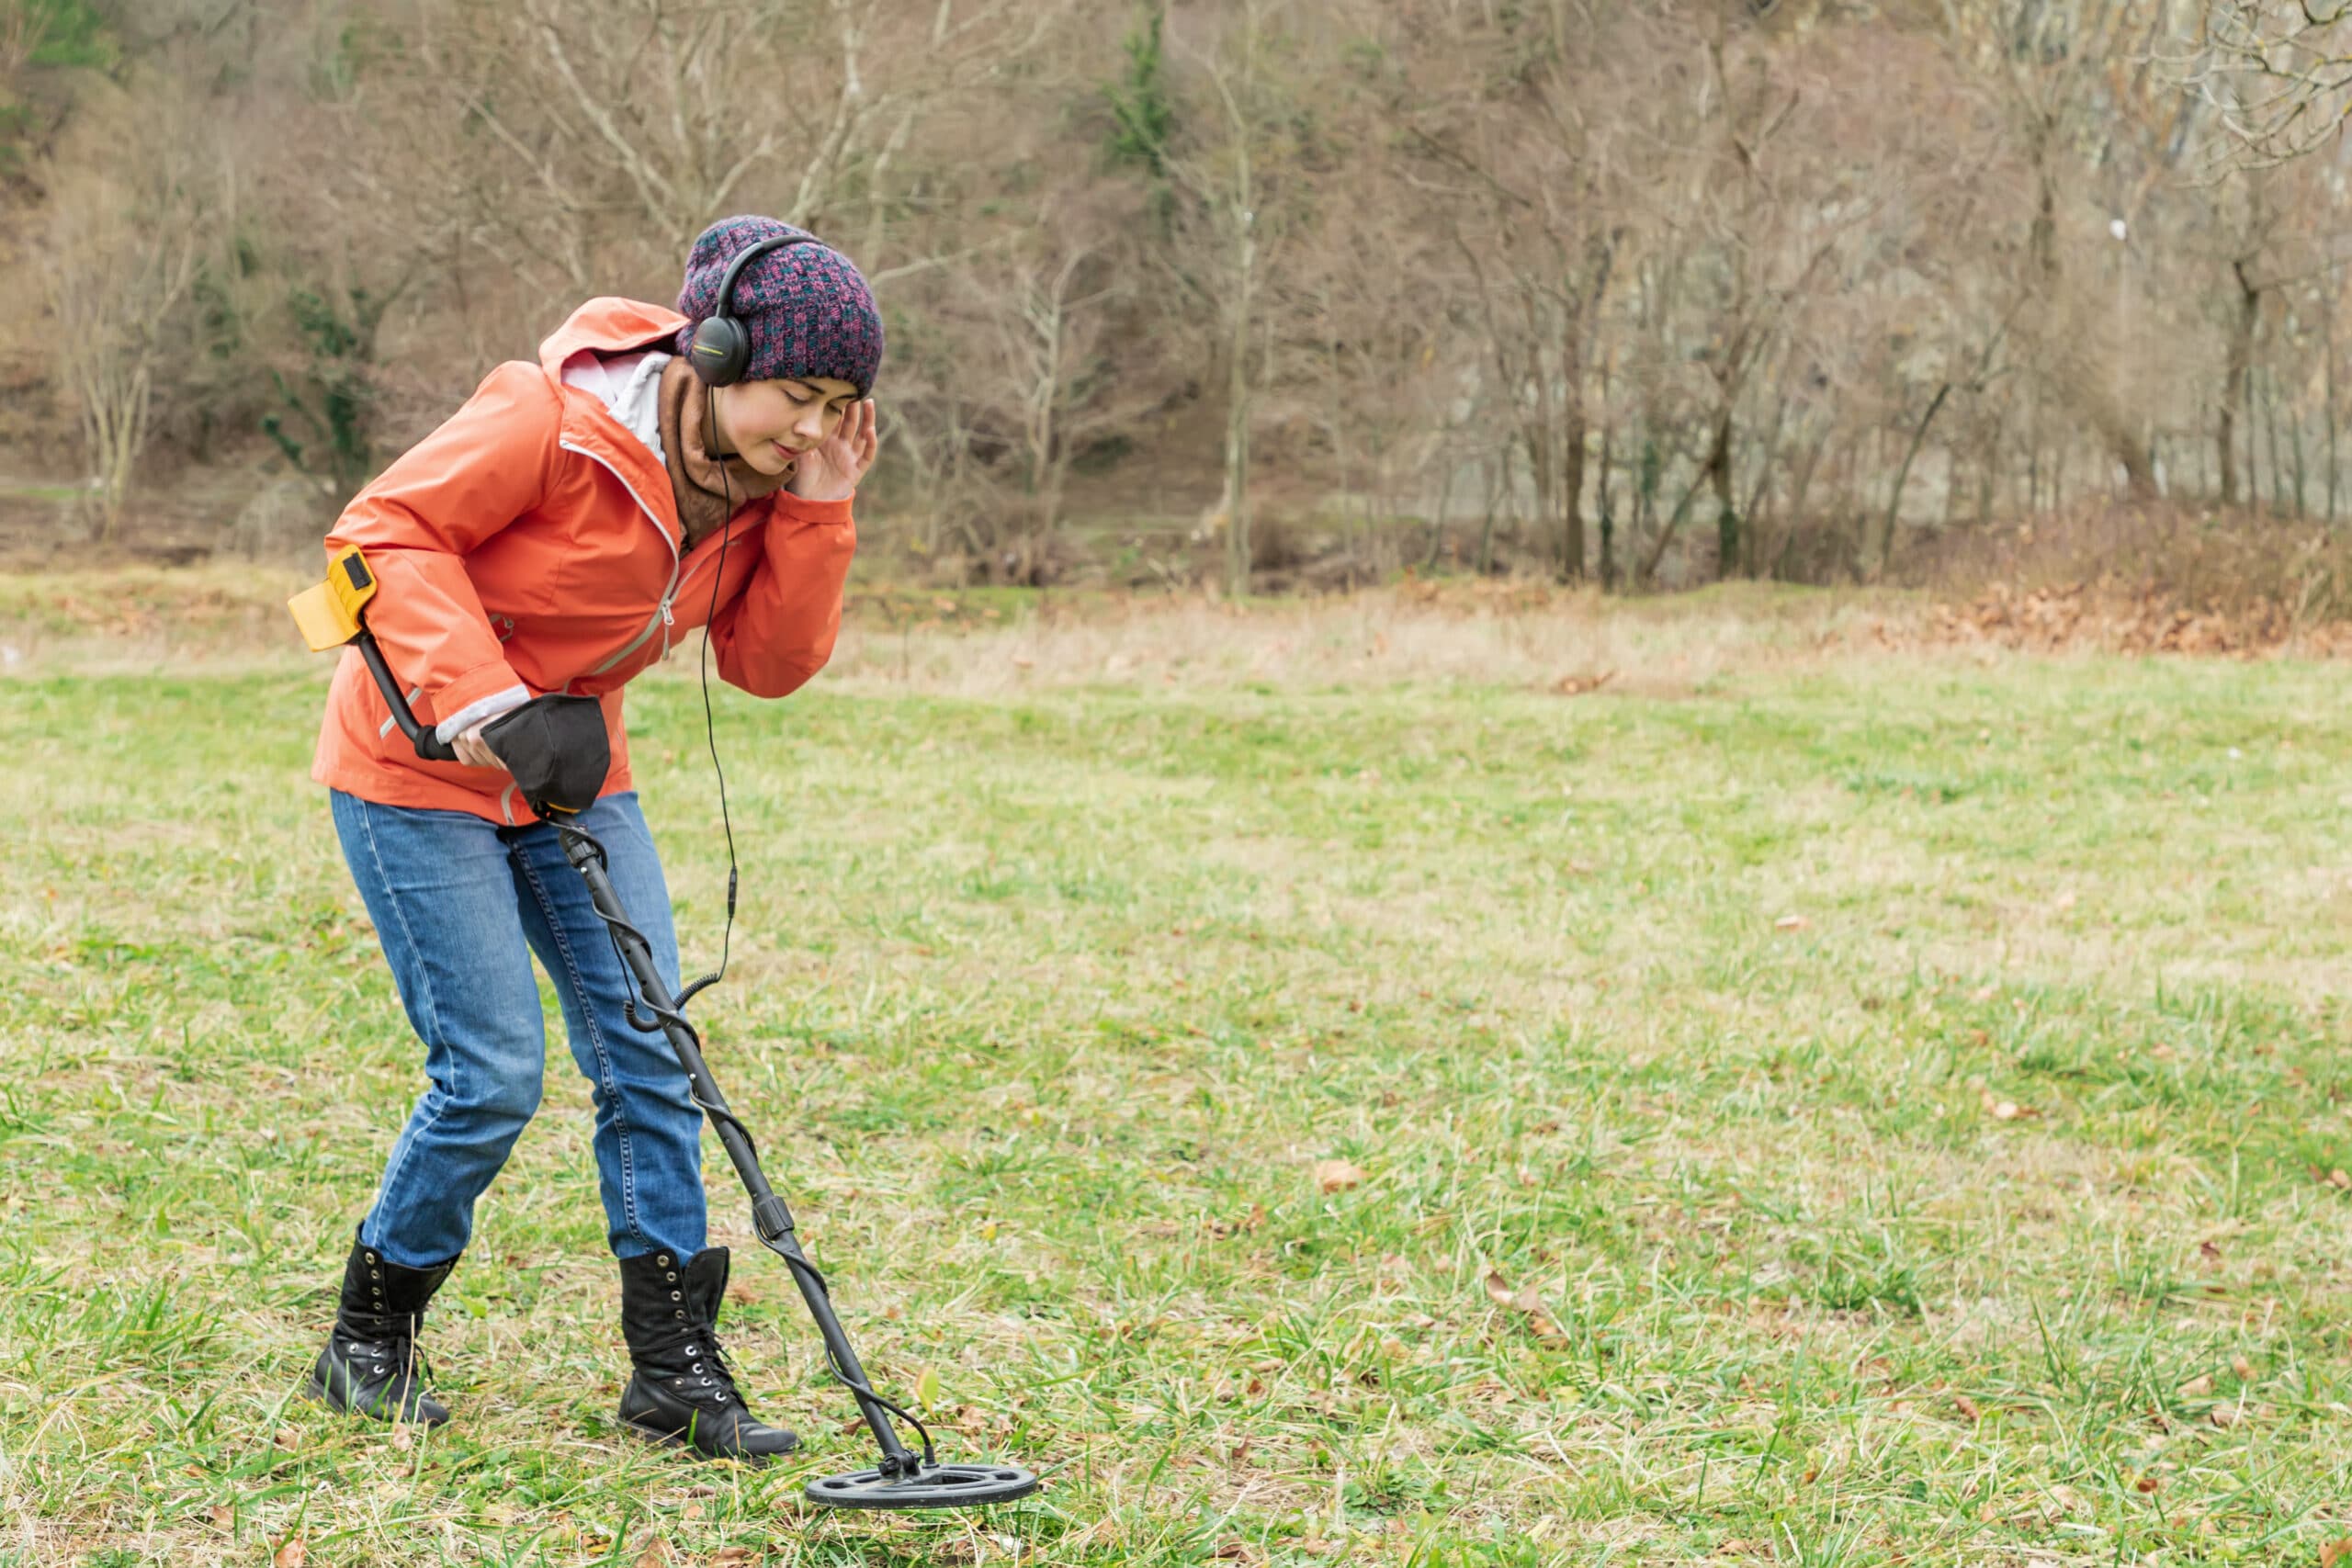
x=933, y=1486
x=333, y=614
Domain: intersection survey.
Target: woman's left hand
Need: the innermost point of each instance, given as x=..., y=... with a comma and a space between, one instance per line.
x=830, y=470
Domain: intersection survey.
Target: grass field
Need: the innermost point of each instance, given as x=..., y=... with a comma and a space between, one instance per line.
x=1830, y=1108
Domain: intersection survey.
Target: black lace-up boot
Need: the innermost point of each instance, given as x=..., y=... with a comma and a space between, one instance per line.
x=683, y=1392
x=372, y=1366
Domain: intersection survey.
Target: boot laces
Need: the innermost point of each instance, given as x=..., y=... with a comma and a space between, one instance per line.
x=708, y=1374
x=385, y=1342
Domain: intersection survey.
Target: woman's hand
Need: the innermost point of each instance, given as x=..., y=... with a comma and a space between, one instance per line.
x=473, y=750
x=830, y=470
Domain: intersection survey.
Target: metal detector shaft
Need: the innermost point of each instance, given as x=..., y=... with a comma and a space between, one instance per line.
x=902, y=1480
x=769, y=1215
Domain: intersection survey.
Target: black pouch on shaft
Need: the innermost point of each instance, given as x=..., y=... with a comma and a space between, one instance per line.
x=555, y=747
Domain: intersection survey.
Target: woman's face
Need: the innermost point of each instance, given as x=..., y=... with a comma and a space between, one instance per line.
x=770, y=423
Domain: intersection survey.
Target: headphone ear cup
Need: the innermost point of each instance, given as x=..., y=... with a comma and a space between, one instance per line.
x=720, y=351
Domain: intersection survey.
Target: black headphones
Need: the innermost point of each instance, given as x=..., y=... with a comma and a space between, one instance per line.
x=721, y=349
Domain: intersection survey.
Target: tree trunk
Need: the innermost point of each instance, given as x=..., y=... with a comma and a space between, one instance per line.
x=1726, y=511
x=1646, y=573
x=1437, y=525
x=1903, y=475
x=1607, y=488
x=2329, y=324
x=1237, y=416
x=2270, y=385
x=2295, y=446
x=1573, y=434
x=1572, y=439
x=1495, y=497
x=1798, y=491
x=2235, y=380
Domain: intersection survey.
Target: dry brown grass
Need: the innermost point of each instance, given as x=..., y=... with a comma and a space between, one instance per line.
x=1507, y=635
x=1532, y=636
x=224, y=615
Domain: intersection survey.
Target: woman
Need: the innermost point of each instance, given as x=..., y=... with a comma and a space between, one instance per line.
x=563, y=531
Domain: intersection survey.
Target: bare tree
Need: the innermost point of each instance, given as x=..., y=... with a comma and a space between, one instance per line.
x=115, y=262
x=2281, y=73
x=1233, y=159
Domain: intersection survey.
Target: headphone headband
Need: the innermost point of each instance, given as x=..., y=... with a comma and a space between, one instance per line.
x=749, y=255
x=720, y=350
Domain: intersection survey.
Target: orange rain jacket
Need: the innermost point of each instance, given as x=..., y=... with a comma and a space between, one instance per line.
x=532, y=540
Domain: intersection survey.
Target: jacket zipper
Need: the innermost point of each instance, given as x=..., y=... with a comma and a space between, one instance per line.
x=663, y=619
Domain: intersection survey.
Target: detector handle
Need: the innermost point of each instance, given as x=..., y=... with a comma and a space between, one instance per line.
x=428, y=743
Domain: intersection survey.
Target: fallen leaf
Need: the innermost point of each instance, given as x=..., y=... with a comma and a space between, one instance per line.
x=2243, y=1368
x=2211, y=1253
x=657, y=1555
x=223, y=1515
x=291, y=1553
x=2146, y=1483
x=1526, y=1302
x=2196, y=1387
x=1792, y=923
x=1967, y=1408
x=1023, y=662
x=1547, y=1333
x=1231, y=1551
x=734, y=1557
x=2006, y=1110
x=2222, y=1415
x=287, y=1438
x=1336, y=1175
x=2339, y=1179
x=927, y=1388
x=2331, y=1552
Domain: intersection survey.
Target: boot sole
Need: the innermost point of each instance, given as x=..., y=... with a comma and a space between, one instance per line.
x=678, y=1440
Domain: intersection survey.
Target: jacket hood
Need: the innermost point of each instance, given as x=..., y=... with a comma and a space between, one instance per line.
x=609, y=324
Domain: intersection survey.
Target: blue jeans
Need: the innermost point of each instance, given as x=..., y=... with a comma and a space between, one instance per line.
x=460, y=905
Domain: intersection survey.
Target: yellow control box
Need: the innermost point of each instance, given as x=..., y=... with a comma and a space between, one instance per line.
x=328, y=615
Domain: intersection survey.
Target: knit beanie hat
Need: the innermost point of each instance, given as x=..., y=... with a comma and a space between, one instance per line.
x=806, y=309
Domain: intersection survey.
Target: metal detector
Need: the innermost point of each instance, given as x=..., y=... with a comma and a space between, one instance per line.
x=330, y=615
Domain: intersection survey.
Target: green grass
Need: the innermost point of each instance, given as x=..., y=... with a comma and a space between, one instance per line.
x=1908, y=1088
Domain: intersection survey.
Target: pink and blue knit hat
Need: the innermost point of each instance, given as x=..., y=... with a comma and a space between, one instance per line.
x=808, y=308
